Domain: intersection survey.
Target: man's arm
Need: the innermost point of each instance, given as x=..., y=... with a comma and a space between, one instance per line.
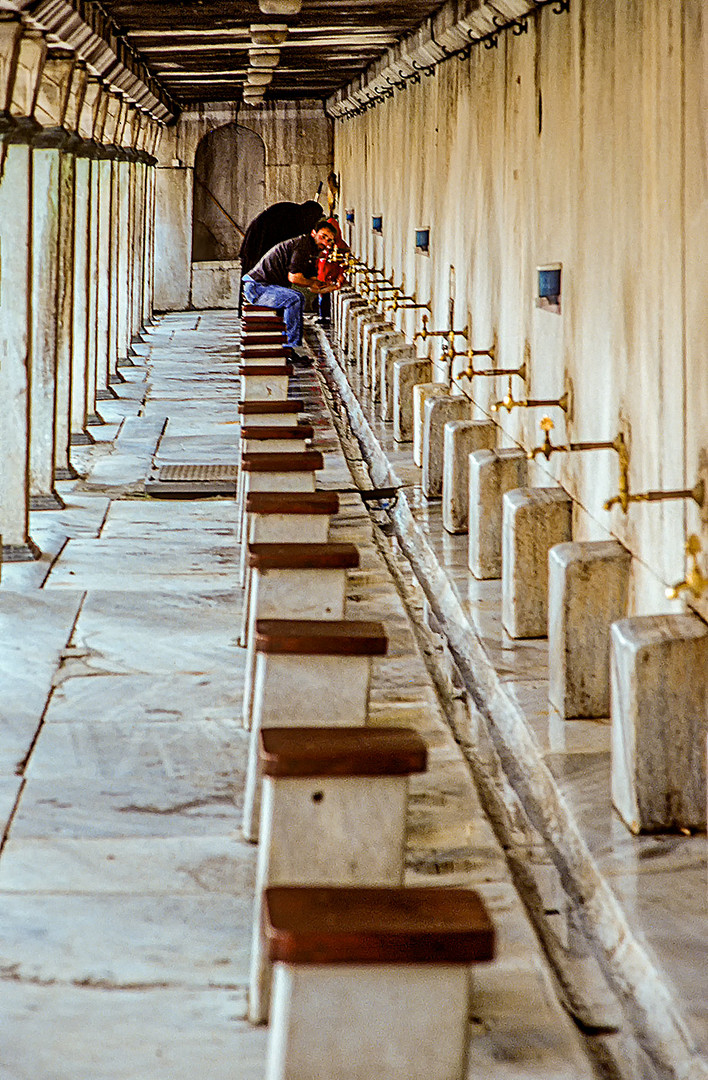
x=313, y=284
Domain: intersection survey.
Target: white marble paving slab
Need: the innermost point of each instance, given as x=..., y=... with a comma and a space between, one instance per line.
x=89, y=1033
x=9, y=788
x=106, y=563
x=64, y=807
x=152, y=698
x=201, y=752
x=126, y=941
x=167, y=865
x=158, y=633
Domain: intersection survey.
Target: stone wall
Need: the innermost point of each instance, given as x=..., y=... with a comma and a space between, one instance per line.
x=580, y=142
x=298, y=155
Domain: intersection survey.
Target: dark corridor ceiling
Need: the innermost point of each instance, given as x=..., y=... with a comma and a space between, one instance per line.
x=198, y=49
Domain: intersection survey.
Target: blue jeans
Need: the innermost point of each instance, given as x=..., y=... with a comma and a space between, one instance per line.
x=290, y=301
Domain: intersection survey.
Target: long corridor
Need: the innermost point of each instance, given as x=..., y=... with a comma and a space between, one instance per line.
x=125, y=887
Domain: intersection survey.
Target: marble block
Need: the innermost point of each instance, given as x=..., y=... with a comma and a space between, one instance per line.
x=659, y=684
x=368, y=1022
x=588, y=585
x=534, y=520
x=491, y=474
x=368, y=331
x=438, y=411
x=350, y=309
x=389, y=351
x=421, y=393
x=381, y=336
x=461, y=438
x=407, y=374
x=360, y=318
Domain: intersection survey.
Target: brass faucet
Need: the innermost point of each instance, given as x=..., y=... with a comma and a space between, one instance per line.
x=697, y=493
x=471, y=371
x=450, y=334
x=508, y=402
x=618, y=444
x=695, y=582
x=396, y=305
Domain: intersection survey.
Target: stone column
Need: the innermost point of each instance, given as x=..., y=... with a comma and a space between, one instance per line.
x=90, y=124
x=80, y=312
x=588, y=585
x=534, y=520
x=659, y=671
x=110, y=149
x=103, y=270
x=52, y=242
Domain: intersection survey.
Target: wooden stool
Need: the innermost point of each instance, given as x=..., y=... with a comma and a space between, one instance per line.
x=277, y=517
x=267, y=411
x=325, y=793
x=291, y=581
x=261, y=336
x=372, y=983
x=277, y=472
x=308, y=673
x=264, y=439
x=265, y=381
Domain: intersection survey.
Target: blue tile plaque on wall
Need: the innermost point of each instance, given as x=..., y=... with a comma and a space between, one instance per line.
x=548, y=297
x=350, y=217
x=422, y=241
x=377, y=224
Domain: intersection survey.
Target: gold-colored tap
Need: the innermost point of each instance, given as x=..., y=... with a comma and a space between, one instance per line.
x=450, y=334
x=695, y=581
x=396, y=304
x=618, y=444
x=697, y=493
x=508, y=402
x=472, y=372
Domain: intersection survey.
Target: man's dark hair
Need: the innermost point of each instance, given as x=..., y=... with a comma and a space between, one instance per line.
x=324, y=224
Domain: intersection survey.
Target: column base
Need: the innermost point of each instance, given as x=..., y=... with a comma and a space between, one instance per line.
x=27, y=552
x=115, y=377
x=125, y=361
x=81, y=438
x=68, y=473
x=94, y=420
x=49, y=501
x=105, y=394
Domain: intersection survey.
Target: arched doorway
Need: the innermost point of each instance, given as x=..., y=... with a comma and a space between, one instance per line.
x=229, y=186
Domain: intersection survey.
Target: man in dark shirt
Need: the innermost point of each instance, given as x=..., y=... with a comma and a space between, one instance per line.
x=292, y=262
x=279, y=222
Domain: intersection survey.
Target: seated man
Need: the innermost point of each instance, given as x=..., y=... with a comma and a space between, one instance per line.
x=291, y=263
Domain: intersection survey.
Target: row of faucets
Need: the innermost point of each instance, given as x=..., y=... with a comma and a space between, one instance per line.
x=376, y=286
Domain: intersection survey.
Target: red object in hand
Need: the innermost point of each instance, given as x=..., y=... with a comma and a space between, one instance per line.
x=330, y=273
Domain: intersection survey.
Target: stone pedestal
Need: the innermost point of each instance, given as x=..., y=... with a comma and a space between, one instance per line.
x=461, y=438
x=385, y=335
x=491, y=474
x=534, y=520
x=588, y=585
x=421, y=393
x=406, y=375
x=437, y=413
x=389, y=353
x=349, y=305
x=369, y=330
x=659, y=673
x=359, y=323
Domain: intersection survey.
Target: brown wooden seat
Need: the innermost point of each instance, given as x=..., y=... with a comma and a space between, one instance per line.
x=320, y=637
x=275, y=431
x=266, y=369
x=267, y=405
x=303, y=556
x=258, y=352
x=248, y=341
x=292, y=502
x=337, y=751
x=304, y=461
x=397, y=925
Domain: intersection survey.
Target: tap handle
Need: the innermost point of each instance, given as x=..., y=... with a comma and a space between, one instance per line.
x=547, y=424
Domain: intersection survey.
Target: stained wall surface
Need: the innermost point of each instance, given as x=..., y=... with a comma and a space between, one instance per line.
x=297, y=139
x=580, y=142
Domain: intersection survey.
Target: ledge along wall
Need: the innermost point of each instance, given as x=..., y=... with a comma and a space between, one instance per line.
x=298, y=155
x=581, y=142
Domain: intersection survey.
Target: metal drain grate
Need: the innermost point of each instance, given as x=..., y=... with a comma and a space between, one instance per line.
x=197, y=473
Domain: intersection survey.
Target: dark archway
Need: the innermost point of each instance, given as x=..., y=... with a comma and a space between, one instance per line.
x=229, y=186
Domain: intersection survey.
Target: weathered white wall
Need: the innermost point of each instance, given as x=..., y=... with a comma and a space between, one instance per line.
x=298, y=155
x=608, y=177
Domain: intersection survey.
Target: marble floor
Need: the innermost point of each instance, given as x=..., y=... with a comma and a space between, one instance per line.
x=125, y=885
x=648, y=921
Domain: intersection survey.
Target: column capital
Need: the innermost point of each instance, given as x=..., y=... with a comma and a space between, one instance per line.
x=53, y=98
x=10, y=37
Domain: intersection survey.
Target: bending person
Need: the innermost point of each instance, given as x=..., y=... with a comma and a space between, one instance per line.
x=275, y=281
x=278, y=222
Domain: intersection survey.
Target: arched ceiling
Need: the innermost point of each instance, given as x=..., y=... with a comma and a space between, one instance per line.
x=198, y=49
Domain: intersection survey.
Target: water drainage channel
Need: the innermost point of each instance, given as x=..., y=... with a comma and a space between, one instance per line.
x=610, y=972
